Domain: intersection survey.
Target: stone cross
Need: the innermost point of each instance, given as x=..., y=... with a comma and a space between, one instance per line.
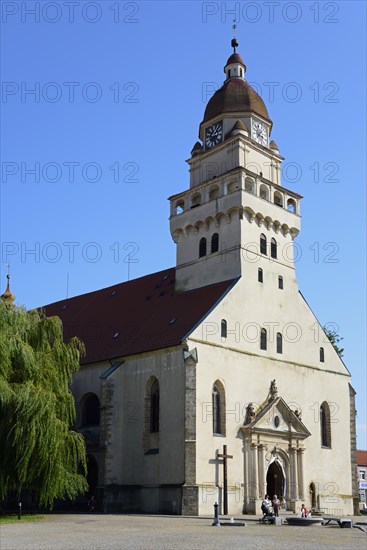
x=225, y=483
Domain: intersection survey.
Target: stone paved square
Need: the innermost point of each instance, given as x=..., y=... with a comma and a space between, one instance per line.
x=133, y=532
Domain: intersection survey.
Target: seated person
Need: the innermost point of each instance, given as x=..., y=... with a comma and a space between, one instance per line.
x=265, y=506
x=304, y=512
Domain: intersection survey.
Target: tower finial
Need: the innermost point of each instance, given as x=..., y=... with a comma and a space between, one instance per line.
x=234, y=42
x=8, y=297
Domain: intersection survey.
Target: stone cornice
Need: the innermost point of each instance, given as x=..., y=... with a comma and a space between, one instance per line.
x=253, y=354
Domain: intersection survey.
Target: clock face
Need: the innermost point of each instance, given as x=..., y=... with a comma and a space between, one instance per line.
x=213, y=135
x=259, y=133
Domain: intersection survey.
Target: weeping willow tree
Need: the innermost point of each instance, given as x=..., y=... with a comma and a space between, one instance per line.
x=39, y=451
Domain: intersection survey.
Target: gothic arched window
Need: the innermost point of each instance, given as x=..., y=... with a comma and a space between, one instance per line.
x=273, y=248
x=263, y=244
x=260, y=275
x=91, y=411
x=219, y=408
x=279, y=343
x=202, y=247
x=154, y=407
x=263, y=339
x=223, y=328
x=215, y=243
x=322, y=355
x=280, y=282
x=325, y=425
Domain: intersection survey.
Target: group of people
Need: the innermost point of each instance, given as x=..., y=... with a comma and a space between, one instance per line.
x=277, y=503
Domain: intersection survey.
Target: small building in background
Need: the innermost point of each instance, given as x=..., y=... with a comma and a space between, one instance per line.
x=362, y=478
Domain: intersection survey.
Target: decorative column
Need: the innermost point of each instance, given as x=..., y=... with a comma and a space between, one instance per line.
x=246, y=473
x=255, y=476
x=294, y=476
x=262, y=478
x=301, y=481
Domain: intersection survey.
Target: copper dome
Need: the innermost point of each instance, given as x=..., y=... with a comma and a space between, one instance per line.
x=236, y=95
x=235, y=58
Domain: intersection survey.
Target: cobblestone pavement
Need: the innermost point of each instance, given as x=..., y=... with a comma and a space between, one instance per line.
x=115, y=532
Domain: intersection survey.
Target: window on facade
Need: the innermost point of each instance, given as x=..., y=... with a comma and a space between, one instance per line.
x=322, y=355
x=260, y=275
x=223, y=328
x=154, y=407
x=279, y=343
x=362, y=474
x=325, y=425
x=273, y=248
x=280, y=282
x=91, y=411
x=241, y=73
x=229, y=73
x=219, y=408
x=263, y=339
x=202, y=247
x=263, y=244
x=215, y=243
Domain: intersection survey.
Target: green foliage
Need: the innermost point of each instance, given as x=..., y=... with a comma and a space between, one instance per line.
x=39, y=450
x=24, y=519
x=335, y=339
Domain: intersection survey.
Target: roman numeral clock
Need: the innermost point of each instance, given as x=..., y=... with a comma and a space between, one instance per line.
x=259, y=133
x=214, y=135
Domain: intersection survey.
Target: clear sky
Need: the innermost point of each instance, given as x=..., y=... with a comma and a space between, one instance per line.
x=119, y=89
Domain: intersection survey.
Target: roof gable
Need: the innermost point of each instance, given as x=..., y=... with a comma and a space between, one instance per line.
x=277, y=417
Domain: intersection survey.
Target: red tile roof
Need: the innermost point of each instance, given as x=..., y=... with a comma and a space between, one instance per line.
x=362, y=458
x=136, y=316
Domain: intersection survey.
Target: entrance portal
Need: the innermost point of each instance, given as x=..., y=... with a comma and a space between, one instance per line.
x=275, y=480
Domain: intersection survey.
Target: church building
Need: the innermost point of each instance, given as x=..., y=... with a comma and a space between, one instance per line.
x=221, y=354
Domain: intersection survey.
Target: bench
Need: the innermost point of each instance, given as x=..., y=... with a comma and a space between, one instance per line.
x=345, y=523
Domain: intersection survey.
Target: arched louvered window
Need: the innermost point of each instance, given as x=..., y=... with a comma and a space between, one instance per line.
x=263, y=339
x=202, y=247
x=325, y=425
x=263, y=244
x=273, y=248
x=154, y=407
x=260, y=275
x=219, y=408
x=215, y=243
x=322, y=355
x=279, y=343
x=223, y=328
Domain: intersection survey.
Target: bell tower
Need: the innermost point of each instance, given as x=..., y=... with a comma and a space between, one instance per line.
x=236, y=214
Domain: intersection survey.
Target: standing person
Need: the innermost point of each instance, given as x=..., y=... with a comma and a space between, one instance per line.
x=91, y=504
x=276, y=505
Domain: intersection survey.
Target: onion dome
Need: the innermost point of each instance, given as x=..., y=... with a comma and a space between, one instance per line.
x=8, y=297
x=235, y=96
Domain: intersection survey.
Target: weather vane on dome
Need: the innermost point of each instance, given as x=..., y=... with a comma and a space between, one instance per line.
x=234, y=42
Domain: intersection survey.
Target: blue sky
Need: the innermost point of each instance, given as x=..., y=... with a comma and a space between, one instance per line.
x=119, y=90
